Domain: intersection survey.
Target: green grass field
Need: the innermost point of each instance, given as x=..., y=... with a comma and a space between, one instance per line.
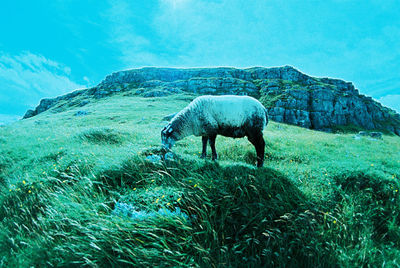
x=321, y=199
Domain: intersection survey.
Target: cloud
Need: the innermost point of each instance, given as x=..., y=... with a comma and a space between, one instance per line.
x=329, y=38
x=26, y=78
x=131, y=34
x=206, y=33
x=176, y=3
x=391, y=101
x=344, y=42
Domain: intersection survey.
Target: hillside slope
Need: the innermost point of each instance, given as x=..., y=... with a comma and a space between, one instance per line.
x=290, y=96
x=79, y=186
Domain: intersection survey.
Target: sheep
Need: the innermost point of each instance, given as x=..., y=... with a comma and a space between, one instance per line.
x=228, y=115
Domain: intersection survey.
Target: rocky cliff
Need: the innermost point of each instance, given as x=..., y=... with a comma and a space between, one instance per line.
x=289, y=95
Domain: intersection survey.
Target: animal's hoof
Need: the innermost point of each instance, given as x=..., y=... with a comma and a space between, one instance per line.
x=203, y=156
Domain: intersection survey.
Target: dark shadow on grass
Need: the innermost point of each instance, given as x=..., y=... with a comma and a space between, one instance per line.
x=376, y=197
x=242, y=216
x=258, y=217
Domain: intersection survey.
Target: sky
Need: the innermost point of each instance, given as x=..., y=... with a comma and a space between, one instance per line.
x=49, y=48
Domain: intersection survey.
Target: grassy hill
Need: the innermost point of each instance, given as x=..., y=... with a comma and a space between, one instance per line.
x=78, y=190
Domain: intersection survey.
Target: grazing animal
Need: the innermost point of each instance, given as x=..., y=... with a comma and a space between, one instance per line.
x=209, y=116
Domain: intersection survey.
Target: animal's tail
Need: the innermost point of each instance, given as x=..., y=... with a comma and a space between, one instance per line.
x=266, y=116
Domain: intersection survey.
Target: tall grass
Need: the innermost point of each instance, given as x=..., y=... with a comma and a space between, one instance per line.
x=322, y=200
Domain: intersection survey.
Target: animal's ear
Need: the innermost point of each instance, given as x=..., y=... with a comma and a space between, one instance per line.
x=164, y=130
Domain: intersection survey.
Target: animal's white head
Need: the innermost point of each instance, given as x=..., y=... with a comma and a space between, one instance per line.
x=168, y=137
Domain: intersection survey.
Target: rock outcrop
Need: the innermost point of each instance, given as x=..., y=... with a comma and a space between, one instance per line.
x=290, y=96
x=46, y=104
x=326, y=104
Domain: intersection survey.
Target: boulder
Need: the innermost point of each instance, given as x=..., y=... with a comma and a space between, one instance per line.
x=81, y=113
x=376, y=135
x=156, y=93
x=153, y=158
x=169, y=156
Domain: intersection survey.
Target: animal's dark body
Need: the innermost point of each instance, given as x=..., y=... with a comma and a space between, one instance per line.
x=209, y=116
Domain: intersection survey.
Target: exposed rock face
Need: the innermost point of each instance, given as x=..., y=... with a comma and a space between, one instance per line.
x=325, y=106
x=289, y=95
x=46, y=104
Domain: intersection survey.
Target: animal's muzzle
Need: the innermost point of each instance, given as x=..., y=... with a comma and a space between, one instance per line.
x=166, y=146
x=168, y=143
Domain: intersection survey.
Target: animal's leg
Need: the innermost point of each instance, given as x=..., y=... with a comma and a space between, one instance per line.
x=212, y=145
x=204, y=139
x=257, y=140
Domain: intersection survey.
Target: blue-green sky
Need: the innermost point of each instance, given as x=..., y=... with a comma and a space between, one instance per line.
x=51, y=47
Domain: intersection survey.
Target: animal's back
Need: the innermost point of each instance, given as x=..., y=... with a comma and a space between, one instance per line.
x=232, y=115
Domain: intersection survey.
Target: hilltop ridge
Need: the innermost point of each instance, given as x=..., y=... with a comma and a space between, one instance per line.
x=289, y=95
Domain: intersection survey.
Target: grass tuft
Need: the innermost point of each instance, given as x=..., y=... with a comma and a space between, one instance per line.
x=102, y=136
